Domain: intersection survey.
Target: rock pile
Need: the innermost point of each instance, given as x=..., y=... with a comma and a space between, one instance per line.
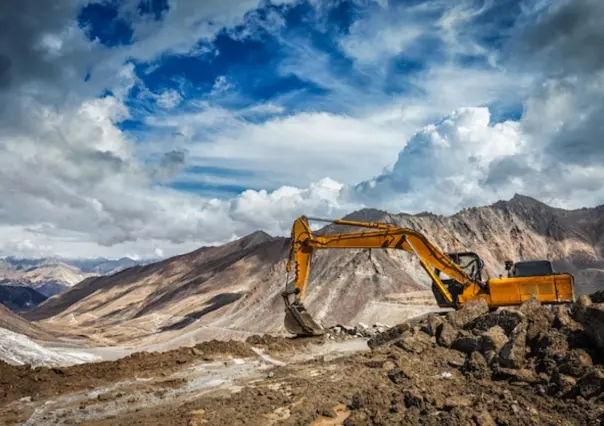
x=557, y=350
x=360, y=330
x=528, y=365
x=597, y=297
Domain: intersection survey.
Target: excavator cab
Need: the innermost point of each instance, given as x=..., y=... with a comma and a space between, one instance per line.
x=471, y=264
x=530, y=268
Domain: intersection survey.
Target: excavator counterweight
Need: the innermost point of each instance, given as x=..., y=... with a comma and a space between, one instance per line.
x=463, y=271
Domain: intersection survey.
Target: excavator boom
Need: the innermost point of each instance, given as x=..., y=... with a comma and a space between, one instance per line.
x=458, y=287
x=298, y=321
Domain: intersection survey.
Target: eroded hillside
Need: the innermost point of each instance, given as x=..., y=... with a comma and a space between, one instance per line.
x=237, y=286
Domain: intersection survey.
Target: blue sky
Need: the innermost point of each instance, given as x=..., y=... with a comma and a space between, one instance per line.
x=297, y=58
x=155, y=127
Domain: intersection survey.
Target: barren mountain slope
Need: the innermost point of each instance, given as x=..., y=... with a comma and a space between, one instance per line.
x=523, y=229
x=237, y=286
x=46, y=277
x=51, y=275
x=17, y=324
x=519, y=229
x=22, y=342
x=20, y=298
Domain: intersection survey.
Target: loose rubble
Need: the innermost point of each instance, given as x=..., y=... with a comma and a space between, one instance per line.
x=42, y=382
x=553, y=352
x=531, y=365
x=349, y=332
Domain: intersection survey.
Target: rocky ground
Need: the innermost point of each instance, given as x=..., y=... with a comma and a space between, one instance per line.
x=528, y=366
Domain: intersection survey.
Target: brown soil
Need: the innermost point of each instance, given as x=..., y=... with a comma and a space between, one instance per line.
x=487, y=372
x=388, y=386
x=22, y=381
x=282, y=344
x=544, y=375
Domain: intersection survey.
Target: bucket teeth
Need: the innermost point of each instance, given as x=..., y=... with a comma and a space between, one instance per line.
x=299, y=322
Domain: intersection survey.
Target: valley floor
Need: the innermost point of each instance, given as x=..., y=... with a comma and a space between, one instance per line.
x=412, y=375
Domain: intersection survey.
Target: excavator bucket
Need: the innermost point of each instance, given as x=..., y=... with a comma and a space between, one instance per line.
x=299, y=322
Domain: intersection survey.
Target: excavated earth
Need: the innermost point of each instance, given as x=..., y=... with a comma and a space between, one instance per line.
x=532, y=365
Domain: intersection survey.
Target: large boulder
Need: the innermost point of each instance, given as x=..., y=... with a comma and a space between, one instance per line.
x=446, y=335
x=583, y=302
x=552, y=344
x=389, y=335
x=513, y=353
x=540, y=319
x=434, y=321
x=492, y=341
x=597, y=297
x=469, y=312
x=591, y=317
x=563, y=320
x=467, y=342
x=530, y=305
x=507, y=319
x=576, y=363
x=414, y=343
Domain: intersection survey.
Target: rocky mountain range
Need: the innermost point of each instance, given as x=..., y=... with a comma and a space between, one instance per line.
x=20, y=298
x=52, y=275
x=16, y=324
x=237, y=286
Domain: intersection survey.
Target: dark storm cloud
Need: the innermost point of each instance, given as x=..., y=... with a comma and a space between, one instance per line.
x=569, y=37
x=566, y=42
x=501, y=171
x=171, y=164
x=25, y=53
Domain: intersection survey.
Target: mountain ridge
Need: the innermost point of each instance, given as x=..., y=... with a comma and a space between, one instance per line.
x=53, y=275
x=238, y=285
x=20, y=298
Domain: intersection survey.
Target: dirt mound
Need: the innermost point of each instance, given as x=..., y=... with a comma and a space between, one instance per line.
x=524, y=366
x=41, y=382
x=532, y=365
x=409, y=380
x=282, y=344
x=597, y=297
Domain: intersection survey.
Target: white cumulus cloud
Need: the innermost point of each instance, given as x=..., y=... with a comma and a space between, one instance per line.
x=443, y=166
x=72, y=183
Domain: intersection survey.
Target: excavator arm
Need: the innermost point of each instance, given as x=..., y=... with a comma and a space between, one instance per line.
x=303, y=243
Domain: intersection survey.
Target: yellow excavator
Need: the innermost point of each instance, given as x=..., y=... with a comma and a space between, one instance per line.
x=462, y=281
